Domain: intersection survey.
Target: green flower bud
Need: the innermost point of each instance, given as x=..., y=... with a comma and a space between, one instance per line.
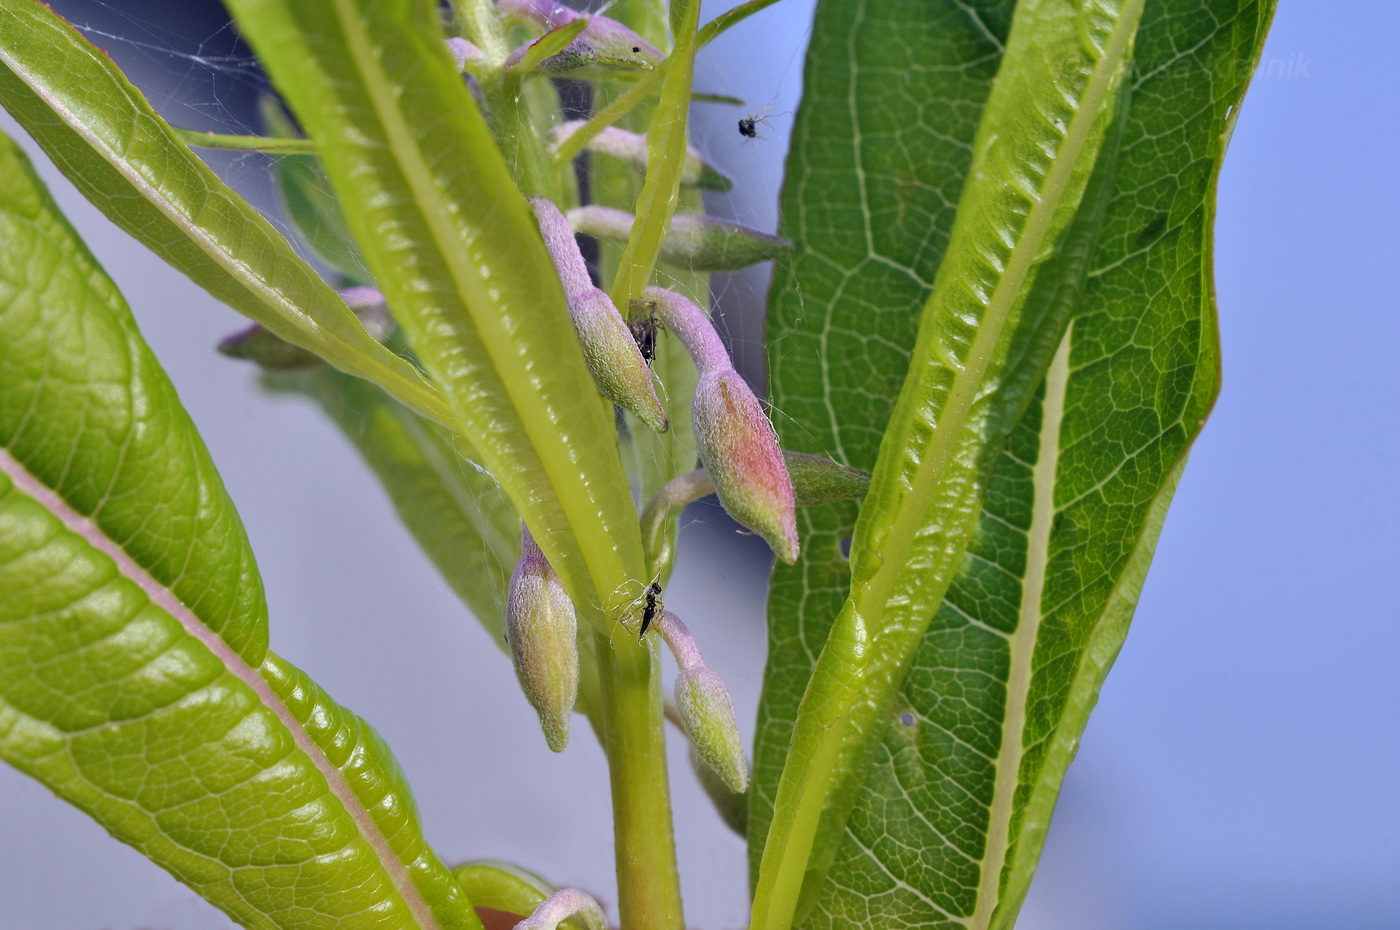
x=617, y=365
x=541, y=631
x=699, y=243
x=708, y=717
x=703, y=705
x=631, y=148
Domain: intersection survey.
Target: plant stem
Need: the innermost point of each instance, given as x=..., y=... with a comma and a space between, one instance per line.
x=648, y=884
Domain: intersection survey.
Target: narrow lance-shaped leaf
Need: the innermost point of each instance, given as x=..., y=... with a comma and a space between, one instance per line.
x=135, y=679
x=997, y=295
x=105, y=137
x=1049, y=582
x=847, y=309
x=452, y=245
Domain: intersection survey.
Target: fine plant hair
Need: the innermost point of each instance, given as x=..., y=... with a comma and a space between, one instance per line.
x=998, y=342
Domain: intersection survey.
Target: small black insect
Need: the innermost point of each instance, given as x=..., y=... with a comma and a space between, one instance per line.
x=636, y=49
x=644, y=332
x=649, y=612
x=748, y=127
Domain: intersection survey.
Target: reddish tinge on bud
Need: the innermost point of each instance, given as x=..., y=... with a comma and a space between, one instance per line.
x=613, y=358
x=541, y=630
x=740, y=451
x=736, y=442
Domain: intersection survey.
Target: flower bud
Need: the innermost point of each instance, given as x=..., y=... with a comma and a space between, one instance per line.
x=541, y=631
x=740, y=451
x=704, y=707
x=560, y=906
x=631, y=148
x=708, y=717
x=819, y=480
x=699, y=243
x=616, y=363
x=603, y=42
x=464, y=53
x=737, y=444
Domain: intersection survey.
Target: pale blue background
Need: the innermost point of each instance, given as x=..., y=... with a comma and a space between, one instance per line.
x=1242, y=768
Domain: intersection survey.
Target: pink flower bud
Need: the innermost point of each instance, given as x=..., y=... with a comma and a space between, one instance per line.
x=541, y=630
x=736, y=442
x=464, y=53
x=740, y=451
x=616, y=363
x=631, y=148
x=560, y=906
x=604, y=41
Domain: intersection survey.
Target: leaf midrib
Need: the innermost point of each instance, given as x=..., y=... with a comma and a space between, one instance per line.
x=411, y=391
x=875, y=593
x=1022, y=643
x=26, y=483
x=418, y=175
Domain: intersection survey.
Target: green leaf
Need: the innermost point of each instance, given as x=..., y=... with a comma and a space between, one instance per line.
x=508, y=888
x=135, y=679
x=853, y=302
x=981, y=340
x=949, y=823
x=666, y=151
x=105, y=137
x=453, y=246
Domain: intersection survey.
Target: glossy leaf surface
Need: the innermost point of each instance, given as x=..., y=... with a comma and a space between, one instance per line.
x=455, y=250
x=952, y=814
x=135, y=679
x=105, y=137
x=979, y=344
